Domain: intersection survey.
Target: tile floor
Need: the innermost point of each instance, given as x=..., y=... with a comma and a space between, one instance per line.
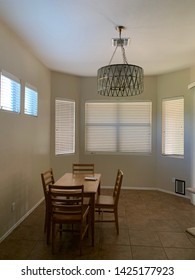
x=152, y=226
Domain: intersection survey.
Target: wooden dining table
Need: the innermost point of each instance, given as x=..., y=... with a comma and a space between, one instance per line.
x=91, y=185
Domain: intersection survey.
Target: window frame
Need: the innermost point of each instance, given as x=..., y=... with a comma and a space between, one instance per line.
x=73, y=150
x=118, y=124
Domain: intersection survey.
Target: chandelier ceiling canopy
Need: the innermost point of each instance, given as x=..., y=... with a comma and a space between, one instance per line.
x=120, y=80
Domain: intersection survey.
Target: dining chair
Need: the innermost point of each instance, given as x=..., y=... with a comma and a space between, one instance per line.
x=47, y=178
x=83, y=168
x=66, y=207
x=109, y=203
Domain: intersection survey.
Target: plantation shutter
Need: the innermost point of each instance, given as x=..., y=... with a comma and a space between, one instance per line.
x=173, y=126
x=118, y=127
x=64, y=127
x=31, y=101
x=10, y=92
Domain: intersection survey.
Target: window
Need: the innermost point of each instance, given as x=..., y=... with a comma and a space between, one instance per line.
x=118, y=127
x=64, y=127
x=10, y=92
x=173, y=126
x=31, y=101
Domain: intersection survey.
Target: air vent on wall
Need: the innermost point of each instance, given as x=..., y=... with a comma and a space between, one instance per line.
x=180, y=186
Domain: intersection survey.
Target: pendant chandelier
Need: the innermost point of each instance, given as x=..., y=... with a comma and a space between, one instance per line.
x=120, y=80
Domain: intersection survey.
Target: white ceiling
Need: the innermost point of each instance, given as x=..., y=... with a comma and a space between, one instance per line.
x=74, y=36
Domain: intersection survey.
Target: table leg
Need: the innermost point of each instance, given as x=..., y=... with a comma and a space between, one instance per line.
x=99, y=188
x=92, y=217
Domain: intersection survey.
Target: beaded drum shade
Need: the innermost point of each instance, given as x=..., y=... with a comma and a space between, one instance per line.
x=120, y=80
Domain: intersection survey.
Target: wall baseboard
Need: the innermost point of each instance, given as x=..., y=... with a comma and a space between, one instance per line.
x=21, y=220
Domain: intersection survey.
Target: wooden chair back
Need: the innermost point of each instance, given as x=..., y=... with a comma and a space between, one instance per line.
x=117, y=187
x=83, y=168
x=66, y=207
x=66, y=202
x=47, y=179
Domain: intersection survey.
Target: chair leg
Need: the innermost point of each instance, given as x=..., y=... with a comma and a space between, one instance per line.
x=80, y=247
x=81, y=239
x=116, y=220
x=48, y=229
x=53, y=237
x=46, y=219
x=45, y=224
x=60, y=229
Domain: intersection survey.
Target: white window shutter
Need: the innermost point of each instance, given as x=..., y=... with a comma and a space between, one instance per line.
x=10, y=92
x=173, y=126
x=123, y=127
x=31, y=101
x=64, y=127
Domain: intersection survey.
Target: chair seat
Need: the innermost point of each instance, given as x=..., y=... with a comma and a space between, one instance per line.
x=104, y=201
x=61, y=218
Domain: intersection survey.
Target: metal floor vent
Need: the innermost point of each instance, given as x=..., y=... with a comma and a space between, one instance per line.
x=180, y=186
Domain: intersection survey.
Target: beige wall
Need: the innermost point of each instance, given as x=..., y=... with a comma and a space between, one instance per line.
x=24, y=140
x=192, y=74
